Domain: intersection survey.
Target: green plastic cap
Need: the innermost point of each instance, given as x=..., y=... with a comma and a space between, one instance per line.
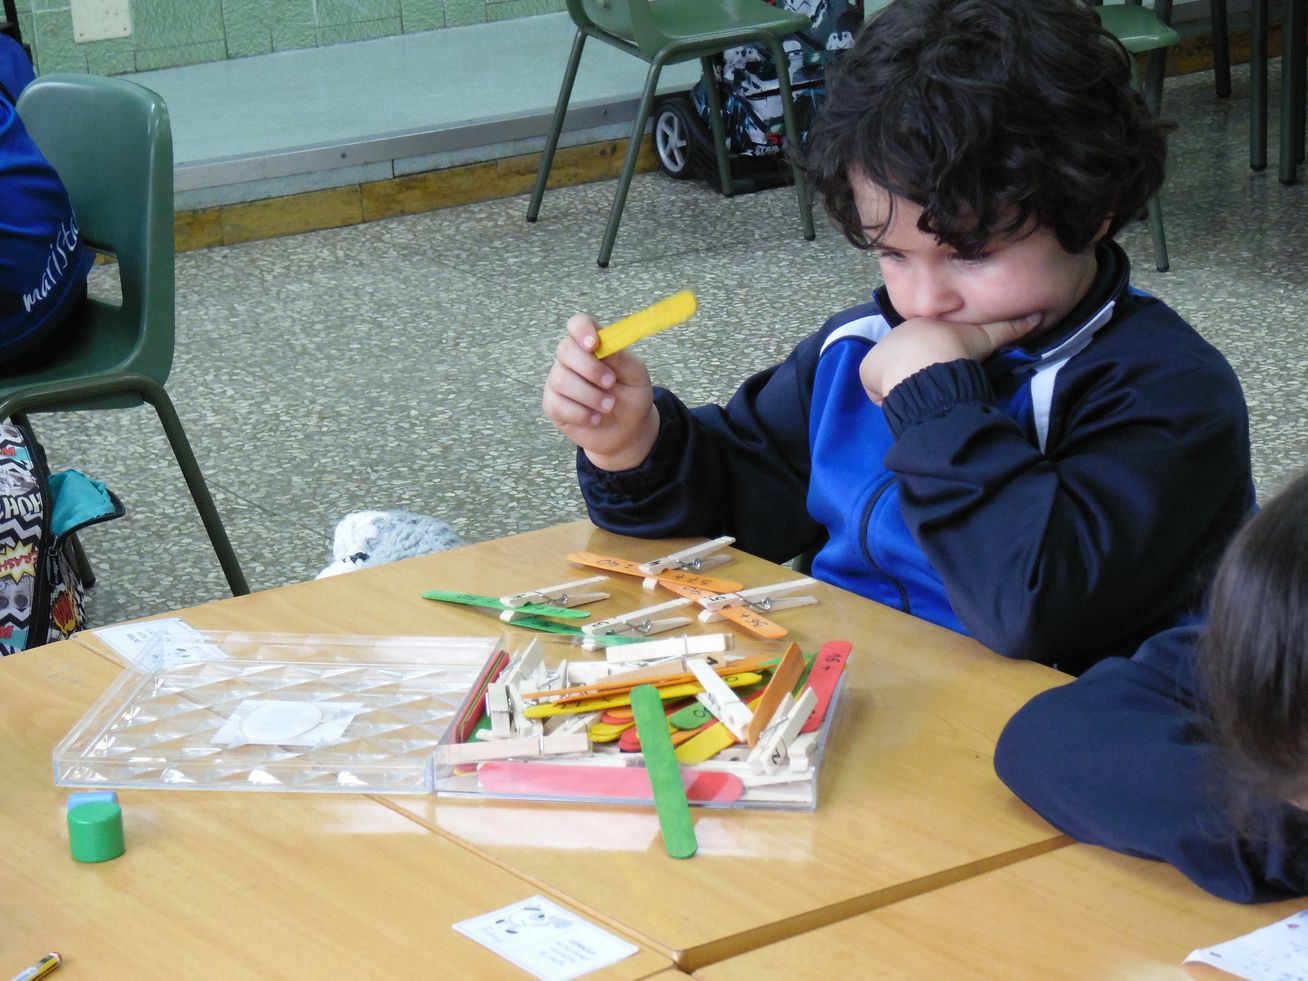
x=95, y=831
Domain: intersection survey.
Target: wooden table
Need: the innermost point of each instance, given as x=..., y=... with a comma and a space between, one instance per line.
x=910, y=816
x=227, y=885
x=1079, y=912
x=909, y=800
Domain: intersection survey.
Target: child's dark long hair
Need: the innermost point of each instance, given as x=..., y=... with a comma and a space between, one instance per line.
x=1255, y=652
x=994, y=116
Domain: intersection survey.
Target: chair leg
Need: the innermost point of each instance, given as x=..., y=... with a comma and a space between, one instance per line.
x=80, y=560
x=213, y=524
x=792, y=145
x=1292, y=89
x=1155, y=212
x=714, y=98
x=556, y=127
x=629, y=164
x=1258, y=86
x=1221, y=49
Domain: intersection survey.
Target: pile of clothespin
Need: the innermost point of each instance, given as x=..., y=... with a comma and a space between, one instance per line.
x=743, y=727
x=553, y=608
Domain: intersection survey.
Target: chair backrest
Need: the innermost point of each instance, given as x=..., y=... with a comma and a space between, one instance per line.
x=629, y=20
x=111, y=143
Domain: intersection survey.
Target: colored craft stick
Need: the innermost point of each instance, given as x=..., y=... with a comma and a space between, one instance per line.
x=691, y=717
x=831, y=660
x=784, y=678
x=617, y=685
x=627, y=567
x=607, y=732
x=743, y=616
x=546, y=709
x=544, y=625
x=589, y=781
x=753, y=621
x=629, y=741
x=492, y=603
x=676, y=309
x=475, y=716
x=664, y=774
x=707, y=744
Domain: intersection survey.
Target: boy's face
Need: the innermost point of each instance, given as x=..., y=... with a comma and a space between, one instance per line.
x=1008, y=280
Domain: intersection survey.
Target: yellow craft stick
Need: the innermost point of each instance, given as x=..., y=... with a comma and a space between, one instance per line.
x=545, y=709
x=676, y=309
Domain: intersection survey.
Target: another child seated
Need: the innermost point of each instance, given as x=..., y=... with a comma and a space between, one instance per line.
x=1195, y=750
x=1008, y=440
x=43, y=262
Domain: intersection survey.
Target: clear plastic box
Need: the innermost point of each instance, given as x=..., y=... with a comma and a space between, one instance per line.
x=571, y=778
x=279, y=712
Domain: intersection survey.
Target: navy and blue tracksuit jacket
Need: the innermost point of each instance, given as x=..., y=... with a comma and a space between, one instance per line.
x=1060, y=502
x=1120, y=758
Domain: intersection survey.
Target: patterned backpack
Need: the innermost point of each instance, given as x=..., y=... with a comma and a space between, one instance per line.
x=40, y=590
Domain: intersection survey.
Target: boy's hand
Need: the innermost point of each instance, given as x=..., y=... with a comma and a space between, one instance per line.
x=605, y=407
x=916, y=344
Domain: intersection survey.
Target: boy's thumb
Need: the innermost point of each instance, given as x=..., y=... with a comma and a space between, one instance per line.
x=1005, y=332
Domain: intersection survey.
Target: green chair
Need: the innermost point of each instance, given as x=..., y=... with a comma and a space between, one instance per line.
x=666, y=32
x=1141, y=30
x=111, y=142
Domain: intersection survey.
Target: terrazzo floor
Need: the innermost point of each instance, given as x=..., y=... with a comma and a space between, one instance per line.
x=399, y=364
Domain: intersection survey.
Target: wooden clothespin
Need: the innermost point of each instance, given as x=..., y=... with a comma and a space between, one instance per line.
x=493, y=603
x=745, y=607
x=608, y=563
x=721, y=700
x=504, y=702
x=564, y=594
x=696, y=558
x=642, y=621
x=500, y=749
x=690, y=645
x=773, y=748
x=784, y=678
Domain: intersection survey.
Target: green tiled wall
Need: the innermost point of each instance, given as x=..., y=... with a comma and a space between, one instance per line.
x=166, y=33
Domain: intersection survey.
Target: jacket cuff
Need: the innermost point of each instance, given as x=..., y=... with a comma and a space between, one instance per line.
x=934, y=390
x=654, y=470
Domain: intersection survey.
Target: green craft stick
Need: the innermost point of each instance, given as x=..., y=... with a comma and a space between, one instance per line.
x=491, y=603
x=554, y=627
x=664, y=773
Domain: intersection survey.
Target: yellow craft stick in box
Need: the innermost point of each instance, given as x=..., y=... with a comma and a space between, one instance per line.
x=676, y=309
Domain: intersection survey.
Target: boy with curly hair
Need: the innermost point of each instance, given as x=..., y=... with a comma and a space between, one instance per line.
x=1008, y=440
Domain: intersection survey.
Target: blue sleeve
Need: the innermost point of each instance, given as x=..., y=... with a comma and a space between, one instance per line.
x=1119, y=758
x=740, y=469
x=1106, y=535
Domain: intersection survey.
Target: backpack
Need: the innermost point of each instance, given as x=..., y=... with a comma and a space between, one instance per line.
x=41, y=592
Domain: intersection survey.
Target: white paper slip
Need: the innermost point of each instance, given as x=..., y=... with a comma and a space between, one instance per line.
x=546, y=940
x=158, y=643
x=1275, y=953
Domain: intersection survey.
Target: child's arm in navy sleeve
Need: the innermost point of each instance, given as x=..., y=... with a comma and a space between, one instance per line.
x=740, y=469
x=1083, y=548
x=1118, y=758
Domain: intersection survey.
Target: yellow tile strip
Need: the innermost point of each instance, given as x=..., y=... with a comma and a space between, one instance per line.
x=354, y=203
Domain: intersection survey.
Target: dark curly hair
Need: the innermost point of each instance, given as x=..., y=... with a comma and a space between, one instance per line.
x=993, y=116
x=1254, y=662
